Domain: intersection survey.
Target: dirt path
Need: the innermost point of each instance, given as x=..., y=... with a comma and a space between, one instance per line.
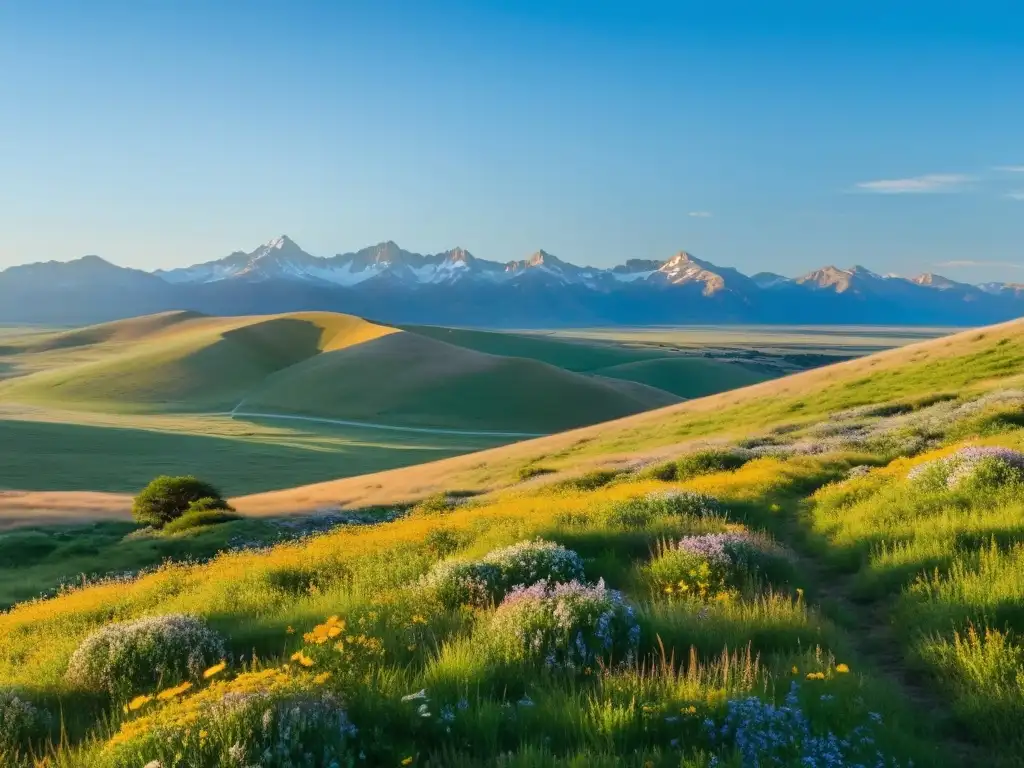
x=868, y=627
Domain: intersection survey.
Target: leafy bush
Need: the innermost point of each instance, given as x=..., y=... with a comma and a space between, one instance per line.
x=198, y=518
x=132, y=656
x=441, y=542
x=569, y=626
x=984, y=466
x=639, y=511
x=530, y=471
x=709, y=461
x=21, y=723
x=590, y=481
x=711, y=564
x=703, y=462
x=167, y=498
x=267, y=718
x=479, y=583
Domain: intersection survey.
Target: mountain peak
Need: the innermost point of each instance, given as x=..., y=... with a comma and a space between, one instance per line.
x=682, y=257
x=281, y=242
x=931, y=280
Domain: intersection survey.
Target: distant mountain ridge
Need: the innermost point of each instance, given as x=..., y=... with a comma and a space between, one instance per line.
x=388, y=283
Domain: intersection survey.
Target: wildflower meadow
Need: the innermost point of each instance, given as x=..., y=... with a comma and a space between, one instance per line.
x=828, y=592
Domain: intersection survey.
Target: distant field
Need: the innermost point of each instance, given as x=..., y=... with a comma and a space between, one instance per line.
x=106, y=408
x=46, y=451
x=843, y=340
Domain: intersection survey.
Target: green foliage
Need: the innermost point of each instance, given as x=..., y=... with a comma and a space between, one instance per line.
x=22, y=725
x=482, y=582
x=199, y=518
x=531, y=471
x=167, y=498
x=704, y=462
x=130, y=657
x=590, y=481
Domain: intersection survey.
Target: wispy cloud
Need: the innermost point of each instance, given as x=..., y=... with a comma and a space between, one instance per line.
x=700, y=214
x=1009, y=168
x=970, y=263
x=930, y=182
x=1016, y=195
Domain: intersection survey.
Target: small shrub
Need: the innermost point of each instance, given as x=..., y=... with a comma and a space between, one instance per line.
x=199, y=518
x=703, y=462
x=531, y=471
x=441, y=542
x=590, y=481
x=21, y=724
x=982, y=466
x=456, y=583
x=711, y=564
x=637, y=513
x=267, y=718
x=132, y=656
x=708, y=462
x=168, y=498
x=436, y=504
x=479, y=583
x=571, y=626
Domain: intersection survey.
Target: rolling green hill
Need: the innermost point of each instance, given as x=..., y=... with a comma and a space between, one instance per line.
x=684, y=374
x=312, y=364
x=819, y=570
x=410, y=380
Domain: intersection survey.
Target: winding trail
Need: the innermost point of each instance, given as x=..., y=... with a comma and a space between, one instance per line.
x=868, y=627
x=235, y=412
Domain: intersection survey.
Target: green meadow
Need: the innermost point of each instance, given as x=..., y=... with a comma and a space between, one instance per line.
x=107, y=407
x=819, y=570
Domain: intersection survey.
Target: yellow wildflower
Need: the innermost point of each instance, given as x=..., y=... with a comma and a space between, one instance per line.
x=842, y=669
x=137, y=703
x=407, y=761
x=668, y=590
x=796, y=671
x=417, y=619
x=203, y=734
x=815, y=675
x=690, y=710
x=290, y=630
x=216, y=669
x=322, y=678
x=170, y=693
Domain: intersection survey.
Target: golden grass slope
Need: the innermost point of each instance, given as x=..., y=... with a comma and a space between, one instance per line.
x=972, y=361
x=173, y=361
x=317, y=364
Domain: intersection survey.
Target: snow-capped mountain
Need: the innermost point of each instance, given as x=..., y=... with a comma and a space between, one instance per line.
x=455, y=287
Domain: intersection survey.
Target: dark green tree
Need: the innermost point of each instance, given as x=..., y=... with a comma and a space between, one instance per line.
x=168, y=498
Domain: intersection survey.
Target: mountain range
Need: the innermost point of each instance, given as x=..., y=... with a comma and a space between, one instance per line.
x=455, y=287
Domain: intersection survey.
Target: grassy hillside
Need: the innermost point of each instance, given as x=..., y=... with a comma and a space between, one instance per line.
x=249, y=455
x=663, y=367
x=410, y=380
x=829, y=575
x=314, y=364
x=176, y=361
x=694, y=376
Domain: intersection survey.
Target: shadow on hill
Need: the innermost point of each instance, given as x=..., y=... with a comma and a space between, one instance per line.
x=404, y=379
x=119, y=330
x=123, y=460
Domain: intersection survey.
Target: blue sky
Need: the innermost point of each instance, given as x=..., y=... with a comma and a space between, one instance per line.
x=164, y=133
